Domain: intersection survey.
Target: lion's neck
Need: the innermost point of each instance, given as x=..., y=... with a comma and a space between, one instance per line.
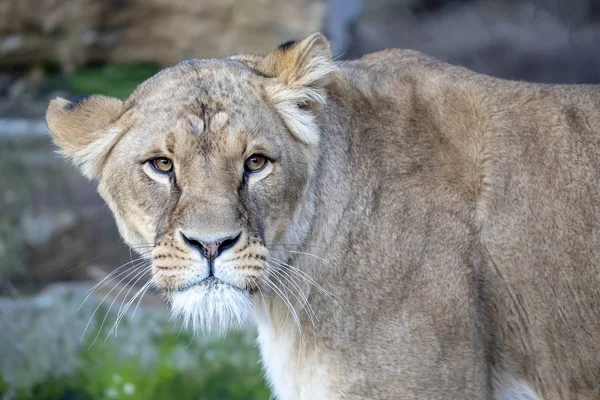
x=296, y=363
x=328, y=190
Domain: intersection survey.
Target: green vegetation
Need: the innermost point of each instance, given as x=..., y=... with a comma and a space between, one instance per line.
x=223, y=370
x=149, y=359
x=182, y=369
x=116, y=80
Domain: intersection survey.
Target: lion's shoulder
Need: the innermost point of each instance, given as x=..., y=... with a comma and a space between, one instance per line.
x=390, y=73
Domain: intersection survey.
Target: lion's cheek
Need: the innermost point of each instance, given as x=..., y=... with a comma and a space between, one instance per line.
x=134, y=225
x=275, y=202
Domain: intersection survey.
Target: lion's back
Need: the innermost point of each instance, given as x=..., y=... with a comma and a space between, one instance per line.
x=519, y=163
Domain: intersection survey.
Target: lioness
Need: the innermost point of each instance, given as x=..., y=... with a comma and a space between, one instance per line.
x=398, y=228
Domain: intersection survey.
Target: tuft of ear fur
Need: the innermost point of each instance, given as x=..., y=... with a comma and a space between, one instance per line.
x=302, y=70
x=82, y=129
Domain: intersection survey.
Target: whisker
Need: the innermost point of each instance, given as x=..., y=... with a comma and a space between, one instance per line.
x=304, y=295
x=301, y=273
x=150, y=285
x=308, y=310
x=93, y=259
x=286, y=301
x=116, y=269
x=297, y=251
x=263, y=298
x=287, y=314
x=272, y=245
x=139, y=272
x=137, y=262
x=82, y=264
x=306, y=254
x=134, y=270
x=112, y=277
x=130, y=254
x=122, y=311
x=279, y=274
x=296, y=318
x=132, y=286
x=296, y=245
x=142, y=246
x=194, y=337
x=180, y=329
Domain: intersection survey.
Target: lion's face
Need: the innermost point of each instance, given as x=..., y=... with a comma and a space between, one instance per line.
x=209, y=182
x=206, y=168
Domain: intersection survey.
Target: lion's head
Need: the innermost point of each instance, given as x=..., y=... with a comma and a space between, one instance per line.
x=207, y=165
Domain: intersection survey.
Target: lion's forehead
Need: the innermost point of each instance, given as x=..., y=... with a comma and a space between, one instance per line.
x=200, y=103
x=197, y=84
x=199, y=133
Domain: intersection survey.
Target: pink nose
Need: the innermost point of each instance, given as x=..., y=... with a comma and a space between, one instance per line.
x=211, y=250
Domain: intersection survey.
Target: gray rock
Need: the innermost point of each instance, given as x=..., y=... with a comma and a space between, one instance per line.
x=41, y=336
x=51, y=218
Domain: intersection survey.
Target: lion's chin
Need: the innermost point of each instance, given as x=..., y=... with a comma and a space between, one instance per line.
x=211, y=306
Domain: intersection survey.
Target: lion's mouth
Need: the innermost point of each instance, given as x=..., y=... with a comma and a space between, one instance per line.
x=209, y=282
x=212, y=282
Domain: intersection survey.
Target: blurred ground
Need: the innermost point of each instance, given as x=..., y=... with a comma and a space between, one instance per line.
x=61, y=345
x=57, y=238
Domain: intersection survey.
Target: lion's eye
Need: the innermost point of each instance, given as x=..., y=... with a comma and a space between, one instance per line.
x=162, y=165
x=255, y=163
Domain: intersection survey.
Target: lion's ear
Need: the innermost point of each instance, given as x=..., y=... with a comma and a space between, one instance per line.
x=82, y=129
x=300, y=64
x=301, y=71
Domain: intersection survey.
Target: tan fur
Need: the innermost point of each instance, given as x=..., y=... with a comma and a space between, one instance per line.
x=435, y=232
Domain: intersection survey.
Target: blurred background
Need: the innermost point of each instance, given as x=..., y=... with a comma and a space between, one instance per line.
x=57, y=238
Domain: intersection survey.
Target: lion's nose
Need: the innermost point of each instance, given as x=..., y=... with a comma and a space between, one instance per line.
x=212, y=249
